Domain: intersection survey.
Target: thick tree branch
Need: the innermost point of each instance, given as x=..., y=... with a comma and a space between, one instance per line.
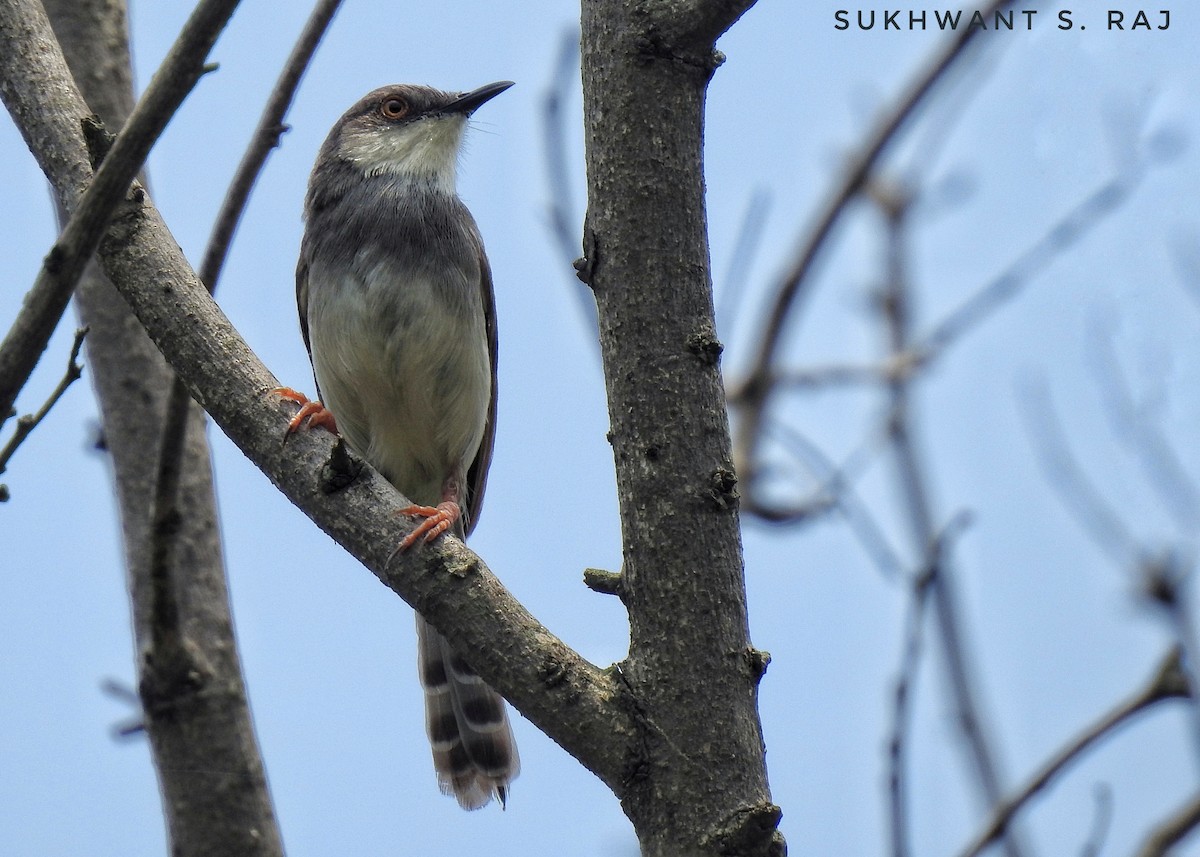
x=571, y=700
x=692, y=672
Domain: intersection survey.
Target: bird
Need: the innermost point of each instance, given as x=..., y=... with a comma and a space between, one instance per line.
x=398, y=314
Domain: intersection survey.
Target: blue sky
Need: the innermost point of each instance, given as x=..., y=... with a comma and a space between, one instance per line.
x=1042, y=121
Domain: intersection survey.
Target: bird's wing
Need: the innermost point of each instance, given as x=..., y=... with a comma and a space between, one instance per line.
x=477, y=473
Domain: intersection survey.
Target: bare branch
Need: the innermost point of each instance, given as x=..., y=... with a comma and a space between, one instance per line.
x=565, y=225
x=44, y=304
x=1160, y=573
x=1076, y=223
x=1172, y=830
x=1070, y=482
x=26, y=424
x=193, y=706
x=446, y=582
x=835, y=491
x=914, y=624
x=1185, y=253
x=164, y=620
x=750, y=230
x=1135, y=426
x=896, y=313
x=1165, y=574
x=1101, y=821
x=1168, y=682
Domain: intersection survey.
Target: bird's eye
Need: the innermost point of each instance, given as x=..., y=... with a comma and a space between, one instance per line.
x=393, y=107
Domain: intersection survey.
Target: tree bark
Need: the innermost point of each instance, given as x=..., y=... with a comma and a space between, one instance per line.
x=195, y=707
x=698, y=783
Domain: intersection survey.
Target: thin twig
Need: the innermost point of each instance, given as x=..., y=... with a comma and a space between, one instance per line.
x=914, y=624
x=64, y=264
x=896, y=314
x=1069, y=229
x=1101, y=821
x=26, y=424
x=1168, y=682
x=1133, y=425
x=853, y=374
x=564, y=221
x=1081, y=498
x=1165, y=575
x=1172, y=830
x=1185, y=253
x=750, y=232
x=837, y=488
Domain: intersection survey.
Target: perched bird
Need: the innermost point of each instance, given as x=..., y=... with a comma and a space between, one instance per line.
x=398, y=314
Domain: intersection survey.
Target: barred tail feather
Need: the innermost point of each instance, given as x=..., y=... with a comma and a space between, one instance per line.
x=474, y=753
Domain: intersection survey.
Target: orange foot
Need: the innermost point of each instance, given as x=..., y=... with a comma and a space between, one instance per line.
x=438, y=519
x=316, y=413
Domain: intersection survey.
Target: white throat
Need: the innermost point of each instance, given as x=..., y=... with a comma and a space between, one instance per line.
x=426, y=149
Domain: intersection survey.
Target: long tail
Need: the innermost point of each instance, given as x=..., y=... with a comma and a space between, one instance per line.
x=474, y=753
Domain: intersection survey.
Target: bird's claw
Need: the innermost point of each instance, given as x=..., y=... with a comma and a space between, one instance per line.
x=438, y=519
x=314, y=412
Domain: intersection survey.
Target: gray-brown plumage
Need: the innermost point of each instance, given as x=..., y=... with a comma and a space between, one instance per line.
x=397, y=310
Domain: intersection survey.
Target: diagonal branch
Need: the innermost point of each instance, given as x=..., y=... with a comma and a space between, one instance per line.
x=1172, y=830
x=1168, y=682
x=26, y=424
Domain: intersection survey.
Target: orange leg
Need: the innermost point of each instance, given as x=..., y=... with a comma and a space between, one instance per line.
x=314, y=412
x=438, y=519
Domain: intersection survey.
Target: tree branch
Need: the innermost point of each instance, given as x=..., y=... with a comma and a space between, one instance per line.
x=1168, y=682
x=1172, y=830
x=26, y=424
x=692, y=672
x=896, y=314
x=264, y=140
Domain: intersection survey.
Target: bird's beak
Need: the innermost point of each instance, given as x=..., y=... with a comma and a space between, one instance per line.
x=469, y=102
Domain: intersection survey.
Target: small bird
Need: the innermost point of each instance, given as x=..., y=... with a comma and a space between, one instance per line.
x=398, y=314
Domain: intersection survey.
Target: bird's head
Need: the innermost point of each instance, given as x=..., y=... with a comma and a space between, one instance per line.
x=407, y=130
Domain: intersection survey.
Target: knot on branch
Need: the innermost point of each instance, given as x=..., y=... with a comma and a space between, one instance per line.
x=705, y=345
x=750, y=830
x=552, y=673
x=758, y=661
x=722, y=489
x=172, y=673
x=655, y=45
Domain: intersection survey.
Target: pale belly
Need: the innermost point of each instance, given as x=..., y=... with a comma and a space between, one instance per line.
x=407, y=378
